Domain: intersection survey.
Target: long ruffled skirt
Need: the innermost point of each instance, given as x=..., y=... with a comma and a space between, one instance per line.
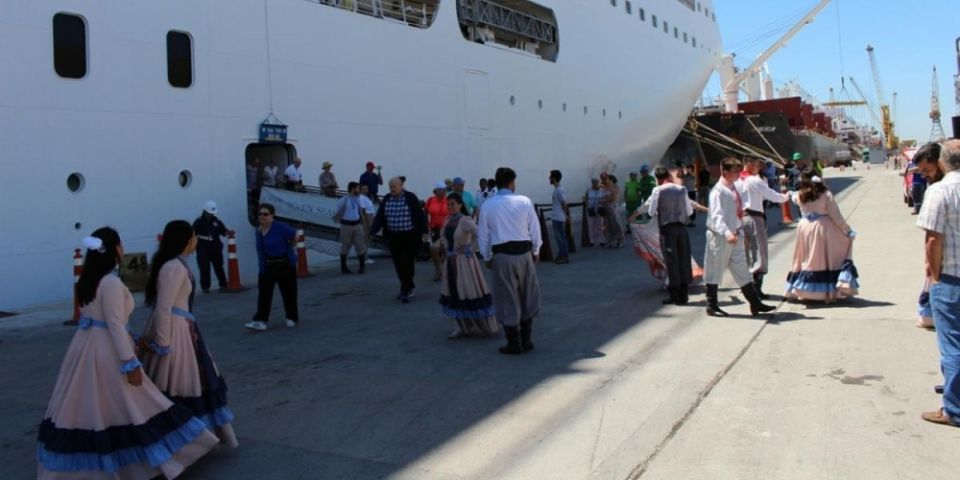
x=465, y=297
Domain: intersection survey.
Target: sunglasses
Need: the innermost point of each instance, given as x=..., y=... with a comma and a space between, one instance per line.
x=265, y=214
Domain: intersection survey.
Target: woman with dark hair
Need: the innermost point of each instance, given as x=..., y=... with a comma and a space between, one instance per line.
x=464, y=294
x=822, y=269
x=275, y=241
x=176, y=357
x=105, y=420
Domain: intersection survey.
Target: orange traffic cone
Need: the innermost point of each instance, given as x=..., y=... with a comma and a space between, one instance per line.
x=233, y=266
x=302, y=270
x=77, y=270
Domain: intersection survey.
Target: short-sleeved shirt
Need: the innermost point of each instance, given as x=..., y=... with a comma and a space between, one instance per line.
x=293, y=173
x=275, y=244
x=437, y=212
x=270, y=176
x=557, y=213
x=940, y=213
x=468, y=202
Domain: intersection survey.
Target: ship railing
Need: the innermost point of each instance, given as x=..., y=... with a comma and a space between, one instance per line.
x=416, y=13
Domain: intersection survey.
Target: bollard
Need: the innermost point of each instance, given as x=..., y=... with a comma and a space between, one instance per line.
x=77, y=270
x=785, y=211
x=302, y=270
x=233, y=266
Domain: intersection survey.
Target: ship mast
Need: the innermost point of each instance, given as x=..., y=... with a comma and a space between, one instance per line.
x=731, y=79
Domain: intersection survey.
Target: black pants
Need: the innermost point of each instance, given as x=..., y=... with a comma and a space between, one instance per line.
x=403, y=249
x=210, y=253
x=675, y=245
x=285, y=276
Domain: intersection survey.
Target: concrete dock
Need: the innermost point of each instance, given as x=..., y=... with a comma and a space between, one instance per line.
x=619, y=386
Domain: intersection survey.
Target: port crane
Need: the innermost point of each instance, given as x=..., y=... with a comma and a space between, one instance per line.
x=891, y=142
x=730, y=78
x=936, y=132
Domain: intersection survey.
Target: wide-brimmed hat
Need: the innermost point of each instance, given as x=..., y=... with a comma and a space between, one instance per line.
x=210, y=207
x=327, y=164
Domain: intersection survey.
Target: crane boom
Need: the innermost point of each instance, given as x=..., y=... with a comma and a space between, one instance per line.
x=731, y=80
x=873, y=111
x=890, y=137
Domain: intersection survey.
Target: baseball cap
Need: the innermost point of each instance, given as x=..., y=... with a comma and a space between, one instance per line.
x=645, y=168
x=458, y=181
x=370, y=165
x=440, y=186
x=210, y=207
x=797, y=156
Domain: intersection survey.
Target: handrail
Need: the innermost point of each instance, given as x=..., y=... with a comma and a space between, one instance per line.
x=416, y=13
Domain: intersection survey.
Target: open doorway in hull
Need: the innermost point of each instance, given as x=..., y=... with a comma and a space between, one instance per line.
x=265, y=164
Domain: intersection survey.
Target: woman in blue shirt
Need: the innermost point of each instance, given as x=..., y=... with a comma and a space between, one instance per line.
x=275, y=241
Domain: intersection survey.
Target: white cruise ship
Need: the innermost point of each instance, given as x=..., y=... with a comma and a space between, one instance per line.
x=132, y=113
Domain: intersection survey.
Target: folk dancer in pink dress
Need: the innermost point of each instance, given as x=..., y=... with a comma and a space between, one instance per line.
x=176, y=357
x=822, y=266
x=105, y=420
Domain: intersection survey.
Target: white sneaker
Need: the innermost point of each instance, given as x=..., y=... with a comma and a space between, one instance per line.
x=369, y=261
x=291, y=323
x=257, y=325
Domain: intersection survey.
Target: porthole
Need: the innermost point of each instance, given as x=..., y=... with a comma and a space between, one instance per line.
x=540, y=104
x=75, y=182
x=77, y=226
x=620, y=115
x=604, y=112
x=564, y=106
x=513, y=100
x=185, y=179
x=584, y=109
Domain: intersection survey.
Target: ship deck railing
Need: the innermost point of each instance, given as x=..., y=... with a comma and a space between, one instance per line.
x=416, y=13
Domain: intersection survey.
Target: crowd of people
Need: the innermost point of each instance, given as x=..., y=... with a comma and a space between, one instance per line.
x=163, y=401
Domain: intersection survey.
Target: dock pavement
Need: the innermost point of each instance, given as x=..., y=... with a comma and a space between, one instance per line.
x=619, y=386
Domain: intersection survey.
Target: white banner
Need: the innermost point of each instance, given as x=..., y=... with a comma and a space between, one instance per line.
x=302, y=207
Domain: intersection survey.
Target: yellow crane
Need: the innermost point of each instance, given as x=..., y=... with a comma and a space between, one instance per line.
x=890, y=138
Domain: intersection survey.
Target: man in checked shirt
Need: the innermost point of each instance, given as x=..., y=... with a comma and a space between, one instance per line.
x=940, y=219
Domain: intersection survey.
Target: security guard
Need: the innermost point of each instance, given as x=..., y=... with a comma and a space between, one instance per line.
x=209, y=229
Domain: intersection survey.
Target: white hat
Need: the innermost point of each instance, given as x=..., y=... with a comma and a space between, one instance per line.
x=210, y=207
x=440, y=186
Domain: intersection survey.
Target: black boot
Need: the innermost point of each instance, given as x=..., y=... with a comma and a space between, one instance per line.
x=756, y=305
x=758, y=283
x=343, y=264
x=525, y=331
x=363, y=263
x=713, y=305
x=513, y=346
x=674, y=298
x=683, y=295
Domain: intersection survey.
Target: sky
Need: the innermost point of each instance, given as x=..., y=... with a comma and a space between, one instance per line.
x=909, y=39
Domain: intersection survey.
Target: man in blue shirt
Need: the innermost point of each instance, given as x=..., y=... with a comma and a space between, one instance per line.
x=372, y=180
x=918, y=186
x=350, y=216
x=468, y=201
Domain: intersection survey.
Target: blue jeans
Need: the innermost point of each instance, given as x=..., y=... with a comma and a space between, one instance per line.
x=560, y=233
x=945, y=303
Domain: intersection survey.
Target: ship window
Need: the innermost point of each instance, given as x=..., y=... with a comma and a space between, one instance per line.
x=676, y=32
x=185, y=178
x=513, y=100
x=620, y=115
x=415, y=13
x=584, y=109
x=540, y=104
x=69, y=45
x=653, y=20
x=75, y=182
x=613, y=3
x=564, y=106
x=694, y=40
x=643, y=15
x=706, y=11
x=604, y=112
x=685, y=37
x=179, y=59
x=698, y=6
x=629, y=7
x=666, y=27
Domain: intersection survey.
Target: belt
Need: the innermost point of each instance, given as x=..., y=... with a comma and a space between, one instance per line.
x=513, y=248
x=183, y=313
x=205, y=237
x=350, y=223
x=949, y=279
x=672, y=224
x=753, y=213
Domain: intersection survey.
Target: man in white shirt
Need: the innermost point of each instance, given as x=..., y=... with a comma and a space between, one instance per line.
x=508, y=234
x=754, y=190
x=294, y=180
x=670, y=207
x=350, y=216
x=559, y=213
x=725, y=242
x=940, y=218
x=270, y=174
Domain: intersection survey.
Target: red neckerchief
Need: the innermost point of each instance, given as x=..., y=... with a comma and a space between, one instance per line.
x=736, y=196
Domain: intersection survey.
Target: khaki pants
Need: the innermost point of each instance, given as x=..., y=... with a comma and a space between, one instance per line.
x=352, y=236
